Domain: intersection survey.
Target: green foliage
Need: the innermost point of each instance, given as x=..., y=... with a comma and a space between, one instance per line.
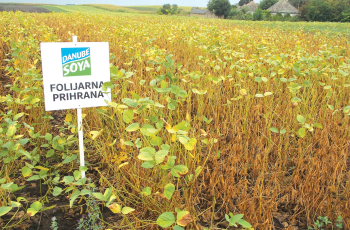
x=168, y=9
x=317, y=10
x=277, y=17
x=243, y=2
x=298, y=3
x=287, y=17
x=54, y=225
x=321, y=223
x=258, y=15
x=340, y=10
x=265, y=4
x=233, y=220
x=219, y=7
x=34, y=208
x=345, y=16
x=326, y=10
x=91, y=221
x=166, y=219
x=339, y=222
x=236, y=14
x=267, y=15
x=4, y=210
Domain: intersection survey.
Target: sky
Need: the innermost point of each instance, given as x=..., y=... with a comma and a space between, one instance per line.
x=199, y=3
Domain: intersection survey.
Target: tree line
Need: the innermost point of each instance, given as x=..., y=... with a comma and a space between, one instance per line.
x=309, y=10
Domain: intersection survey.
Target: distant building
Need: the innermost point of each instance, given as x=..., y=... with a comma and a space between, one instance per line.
x=251, y=7
x=203, y=13
x=283, y=7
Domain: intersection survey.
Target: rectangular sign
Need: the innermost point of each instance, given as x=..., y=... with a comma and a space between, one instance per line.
x=74, y=73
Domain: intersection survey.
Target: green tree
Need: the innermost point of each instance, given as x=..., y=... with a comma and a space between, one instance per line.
x=258, y=15
x=174, y=9
x=317, y=10
x=287, y=17
x=267, y=15
x=243, y=2
x=278, y=17
x=265, y=4
x=298, y=3
x=168, y=9
x=345, y=16
x=219, y=7
x=339, y=9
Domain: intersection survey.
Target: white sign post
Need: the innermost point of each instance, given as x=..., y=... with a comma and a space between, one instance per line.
x=73, y=75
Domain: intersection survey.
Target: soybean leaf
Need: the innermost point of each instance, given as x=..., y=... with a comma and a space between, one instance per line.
x=115, y=208
x=179, y=171
x=56, y=191
x=146, y=191
x=31, y=212
x=156, y=141
x=68, y=179
x=331, y=107
x=148, y=164
x=166, y=219
x=68, y=117
x=37, y=205
x=346, y=109
x=147, y=154
x=15, y=118
x=99, y=196
x=48, y=136
x=26, y=171
x=301, y=119
x=165, y=147
x=169, y=190
x=130, y=102
x=274, y=130
x=191, y=144
x=318, y=125
x=11, y=130
x=35, y=177
x=4, y=210
x=73, y=197
x=128, y=115
x=160, y=155
x=184, y=218
x=132, y=127
x=183, y=139
x=301, y=132
x=244, y=223
x=127, y=210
